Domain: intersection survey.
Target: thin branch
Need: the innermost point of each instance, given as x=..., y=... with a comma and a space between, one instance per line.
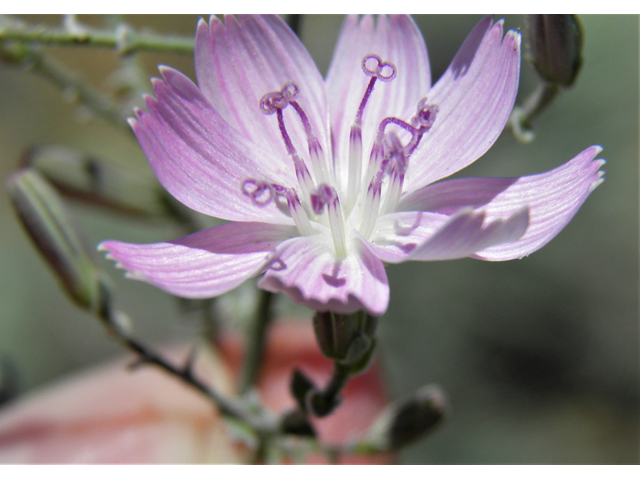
x=123, y=38
x=261, y=422
x=522, y=116
x=255, y=342
x=68, y=81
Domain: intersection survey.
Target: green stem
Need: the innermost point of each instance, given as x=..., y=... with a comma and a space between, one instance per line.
x=68, y=81
x=260, y=422
x=521, y=117
x=339, y=378
x=255, y=342
x=123, y=39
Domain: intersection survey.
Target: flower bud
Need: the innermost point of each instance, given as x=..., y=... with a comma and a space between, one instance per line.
x=295, y=422
x=46, y=220
x=348, y=339
x=555, y=44
x=301, y=387
x=407, y=420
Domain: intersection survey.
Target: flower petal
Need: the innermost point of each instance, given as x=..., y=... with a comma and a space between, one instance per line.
x=199, y=158
x=397, y=234
x=204, y=264
x=240, y=61
x=395, y=39
x=553, y=199
x=475, y=97
x=462, y=235
x=307, y=270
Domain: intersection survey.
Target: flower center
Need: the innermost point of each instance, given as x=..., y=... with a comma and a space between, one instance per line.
x=366, y=197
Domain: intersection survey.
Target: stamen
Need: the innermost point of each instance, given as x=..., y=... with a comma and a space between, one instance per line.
x=420, y=124
x=304, y=178
x=394, y=190
x=372, y=204
x=396, y=167
x=291, y=150
x=322, y=197
x=355, y=166
x=373, y=66
x=423, y=121
x=336, y=222
x=275, y=102
x=401, y=123
x=261, y=193
x=385, y=71
x=395, y=153
x=316, y=154
x=298, y=214
x=425, y=116
x=376, y=158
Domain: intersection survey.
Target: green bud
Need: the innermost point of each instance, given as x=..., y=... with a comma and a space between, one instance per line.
x=555, y=44
x=46, y=220
x=97, y=181
x=409, y=419
x=301, y=386
x=296, y=423
x=320, y=404
x=348, y=339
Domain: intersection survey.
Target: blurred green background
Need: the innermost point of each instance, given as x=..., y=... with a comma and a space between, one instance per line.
x=539, y=356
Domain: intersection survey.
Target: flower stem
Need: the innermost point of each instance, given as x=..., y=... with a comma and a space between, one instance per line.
x=68, y=81
x=256, y=341
x=261, y=422
x=521, y=117
x=295, y=23
x=324, y=402
x=123, y=38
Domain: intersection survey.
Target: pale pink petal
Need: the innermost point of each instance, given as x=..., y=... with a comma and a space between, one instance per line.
x=394, y=39
x=199, y=158
x=464, y=234
x=204, y=264
x=241, y=60
x=307, y=270
x=475, y=97
x=553, y=199
x=397, y=234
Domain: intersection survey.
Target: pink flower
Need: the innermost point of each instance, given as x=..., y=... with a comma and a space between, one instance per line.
x=324, y=180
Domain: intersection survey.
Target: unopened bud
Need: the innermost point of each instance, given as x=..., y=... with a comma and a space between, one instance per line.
x=348, y=339
x=296, y=423
x=555, y=44
x=409, y=419
x=301, y=386
x=45, y=218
